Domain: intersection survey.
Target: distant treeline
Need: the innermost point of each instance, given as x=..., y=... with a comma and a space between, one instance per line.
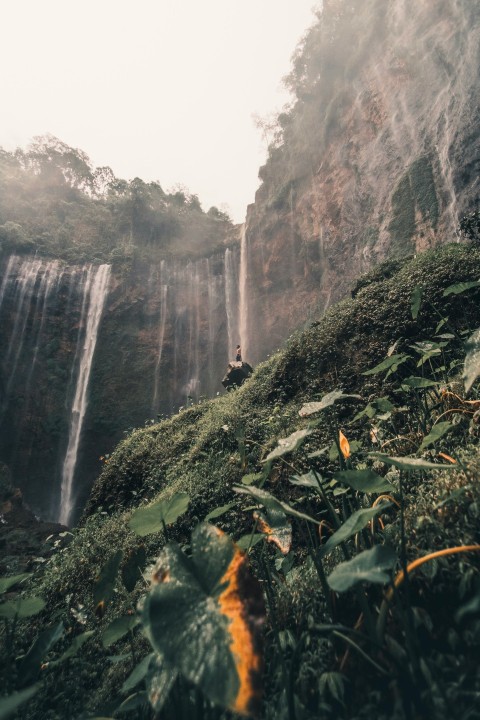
x=53, y=201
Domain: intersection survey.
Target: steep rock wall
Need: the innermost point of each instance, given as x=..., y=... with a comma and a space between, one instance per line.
x=378, y=156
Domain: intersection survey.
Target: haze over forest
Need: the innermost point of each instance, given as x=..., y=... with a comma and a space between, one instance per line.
x=164, y=91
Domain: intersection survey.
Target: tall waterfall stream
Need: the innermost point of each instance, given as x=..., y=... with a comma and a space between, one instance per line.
x=67, y=366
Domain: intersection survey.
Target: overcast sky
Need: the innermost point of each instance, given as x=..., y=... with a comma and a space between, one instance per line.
x=160, y=89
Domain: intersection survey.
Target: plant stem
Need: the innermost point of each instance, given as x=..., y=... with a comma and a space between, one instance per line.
x=271, y=606
x=320, y=570
x=354, y=645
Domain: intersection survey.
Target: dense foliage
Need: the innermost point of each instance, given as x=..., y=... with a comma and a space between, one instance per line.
x=356, y=447
x=54, y=202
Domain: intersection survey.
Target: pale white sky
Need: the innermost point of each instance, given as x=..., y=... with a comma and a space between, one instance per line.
x=160, y=89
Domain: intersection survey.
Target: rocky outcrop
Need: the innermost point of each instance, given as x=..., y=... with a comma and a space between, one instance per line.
x=237, y=373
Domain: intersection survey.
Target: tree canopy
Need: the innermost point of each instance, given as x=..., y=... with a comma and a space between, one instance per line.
x=53, y=201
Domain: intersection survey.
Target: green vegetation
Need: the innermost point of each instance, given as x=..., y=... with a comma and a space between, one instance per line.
x=54, y=202
x=423, y=189
x=470, y=226
x=415, y=190
x=402, y=225
x=356, y=450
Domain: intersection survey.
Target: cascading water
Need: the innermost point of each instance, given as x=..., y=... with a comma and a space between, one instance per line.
x=25, y=287
x=96, y=287
x=192, y=385
x=11, y=261
x=216, y=313
x=195, y=306
x=231, y=299
x=243, y=294
x=51, y=278
x=161, y=333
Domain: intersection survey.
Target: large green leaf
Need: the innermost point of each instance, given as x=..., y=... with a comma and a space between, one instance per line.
x=460, y=287
x=471, y=368
x=138, y=673
x=369, y=566
x=288, y=444
x=77, y=643
x=271, y=502
x=9, y=705
x=132, y=569
x=380, y=405
x=390, y=363
x=105, y=582
x=410, y=463
x=306, y=480
x=150, y=519
x=118, y=628
x=21, y=607
x=203, y=616
x=219, y=511
x=437, y=432
x=30, y=663
x=364, y=481
x=138, y=701
x=7, y=582
x=253, y=477
x=327, y=401
x=356, y=522
x=249, y=540
x=416, y=301
x=419, y=383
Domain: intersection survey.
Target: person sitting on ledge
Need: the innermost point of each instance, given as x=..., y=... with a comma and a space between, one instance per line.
x=238, y=356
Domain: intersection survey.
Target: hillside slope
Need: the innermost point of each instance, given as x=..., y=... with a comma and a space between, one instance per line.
x=209, y=447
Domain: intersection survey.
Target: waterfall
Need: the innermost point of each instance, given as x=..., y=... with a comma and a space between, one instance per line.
x=11, y=261
x=24, y=289
x=32, y=282
x=187, y=321
x=51, y=277
x=243, y=294
x=231, y=300
x=192, y=385
x=161, y=333
x=96, y=287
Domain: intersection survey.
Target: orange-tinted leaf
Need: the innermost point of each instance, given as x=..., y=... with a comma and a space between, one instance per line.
x=235, y=604
x=344, y=445
x=204, y=615
x=277, y=529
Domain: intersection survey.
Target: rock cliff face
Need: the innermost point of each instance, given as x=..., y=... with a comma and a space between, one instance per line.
x=377, y=157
